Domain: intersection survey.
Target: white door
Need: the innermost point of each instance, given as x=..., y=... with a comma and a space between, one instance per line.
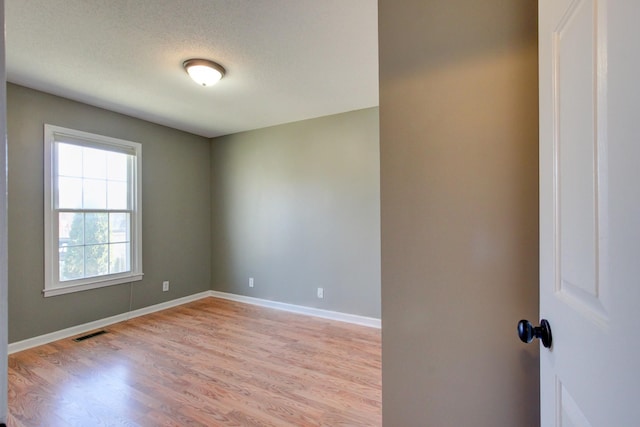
x=590, y=211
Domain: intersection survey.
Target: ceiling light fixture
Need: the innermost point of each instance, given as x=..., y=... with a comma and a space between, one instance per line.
x=203, y=71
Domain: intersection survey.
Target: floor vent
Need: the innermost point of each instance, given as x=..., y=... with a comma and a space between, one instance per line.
x=91, y=335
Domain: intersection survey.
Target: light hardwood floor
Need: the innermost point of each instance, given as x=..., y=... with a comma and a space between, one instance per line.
x=209, y=363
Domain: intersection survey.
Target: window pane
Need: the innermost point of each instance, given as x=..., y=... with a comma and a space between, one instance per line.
x=117, y=195
x=95, y=163
x=70, y=229
x=71, y=263
x=96, y=260
x=69, y=193
x=69, y=160
x=96, y=228
x=95, y=194
x=119, y=258
x=91, y=183
x=119, y=227
x=117, y=167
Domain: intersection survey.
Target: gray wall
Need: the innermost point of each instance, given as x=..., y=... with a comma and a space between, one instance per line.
x=4, y=317
x=296, y=206
x=458, y=120
x=176, y=206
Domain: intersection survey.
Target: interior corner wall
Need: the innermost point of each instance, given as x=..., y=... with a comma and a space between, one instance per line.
x=459, y=211
x=297, y=207
x=176, y=214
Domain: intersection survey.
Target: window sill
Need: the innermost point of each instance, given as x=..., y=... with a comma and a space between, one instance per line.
x=51, y=292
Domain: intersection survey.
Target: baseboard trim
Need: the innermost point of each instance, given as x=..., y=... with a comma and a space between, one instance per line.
x=103, y=323
x=309, y=311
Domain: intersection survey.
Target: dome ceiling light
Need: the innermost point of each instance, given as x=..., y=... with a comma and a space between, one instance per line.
x=204, y=72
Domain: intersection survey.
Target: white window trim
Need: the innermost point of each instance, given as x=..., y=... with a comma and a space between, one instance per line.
x=52, y=285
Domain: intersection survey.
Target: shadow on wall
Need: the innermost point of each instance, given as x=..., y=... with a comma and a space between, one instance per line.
x=459, y=191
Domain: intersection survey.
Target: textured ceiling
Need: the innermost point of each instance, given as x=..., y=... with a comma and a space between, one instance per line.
x=286, y=60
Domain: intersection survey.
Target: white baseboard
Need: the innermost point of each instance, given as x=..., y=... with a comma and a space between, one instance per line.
x=309, y=311
x=102, y=323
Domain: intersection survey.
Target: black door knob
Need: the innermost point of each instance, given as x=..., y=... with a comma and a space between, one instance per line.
x=527, y=332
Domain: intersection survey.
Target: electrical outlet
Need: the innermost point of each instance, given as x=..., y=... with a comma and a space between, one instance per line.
x=320, y=292
x=165, y=286
x=251, y=282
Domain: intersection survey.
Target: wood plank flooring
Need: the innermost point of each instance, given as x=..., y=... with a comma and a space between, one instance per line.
x=209, y=363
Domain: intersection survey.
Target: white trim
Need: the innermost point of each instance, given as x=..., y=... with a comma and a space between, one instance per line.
x=371, y=322
x=56, y=134
x=80, y=329
x=102, y=323
x=92, y=285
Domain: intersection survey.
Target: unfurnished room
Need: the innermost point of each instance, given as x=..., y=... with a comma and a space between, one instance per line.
x=409, y=213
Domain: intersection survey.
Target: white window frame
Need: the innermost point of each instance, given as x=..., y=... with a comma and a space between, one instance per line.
x=52, y=285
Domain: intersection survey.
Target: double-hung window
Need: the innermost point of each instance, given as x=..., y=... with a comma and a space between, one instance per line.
x=92, y=211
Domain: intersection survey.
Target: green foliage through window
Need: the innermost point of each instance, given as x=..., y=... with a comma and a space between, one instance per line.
x=96, y=244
